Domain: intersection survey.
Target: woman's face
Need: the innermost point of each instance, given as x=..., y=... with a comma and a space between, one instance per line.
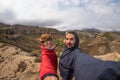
x=69, y=40
x=48, y=43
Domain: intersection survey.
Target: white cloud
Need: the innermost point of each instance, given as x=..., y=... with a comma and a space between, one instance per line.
x=102, y=14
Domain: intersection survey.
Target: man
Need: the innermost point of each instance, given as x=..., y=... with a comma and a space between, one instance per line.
x=73, y=62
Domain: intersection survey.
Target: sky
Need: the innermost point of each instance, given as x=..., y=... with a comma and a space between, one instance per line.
x=62, y=14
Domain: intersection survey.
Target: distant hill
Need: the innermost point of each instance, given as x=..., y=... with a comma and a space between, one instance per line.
x=91, y=30
x=92, y=41
x=24, y=37
x=23, y=29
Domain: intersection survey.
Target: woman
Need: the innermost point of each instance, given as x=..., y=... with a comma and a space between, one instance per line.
x=48, y=67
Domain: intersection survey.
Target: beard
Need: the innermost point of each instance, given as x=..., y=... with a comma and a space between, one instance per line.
x=69, y=45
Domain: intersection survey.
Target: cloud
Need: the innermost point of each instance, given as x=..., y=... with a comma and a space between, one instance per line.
x=40, y=23
x=63, y=14
x=7, y=16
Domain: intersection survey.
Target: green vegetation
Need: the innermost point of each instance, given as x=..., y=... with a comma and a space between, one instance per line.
x=108, y=36
x=22, y=41
x=27, y=38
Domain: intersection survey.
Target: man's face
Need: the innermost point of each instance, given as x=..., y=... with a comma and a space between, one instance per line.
x=69, y=40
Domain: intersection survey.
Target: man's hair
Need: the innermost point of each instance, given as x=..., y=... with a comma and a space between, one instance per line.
x=71, y=32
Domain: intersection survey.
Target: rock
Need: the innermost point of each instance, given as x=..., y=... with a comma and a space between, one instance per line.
x=16, y=64
x=110, y=56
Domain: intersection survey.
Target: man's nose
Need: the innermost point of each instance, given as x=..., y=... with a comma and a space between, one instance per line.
x=69, y=40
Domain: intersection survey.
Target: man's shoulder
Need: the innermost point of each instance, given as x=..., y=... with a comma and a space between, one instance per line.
x=78, y=50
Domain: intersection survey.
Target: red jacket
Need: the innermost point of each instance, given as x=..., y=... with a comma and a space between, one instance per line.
x=49, y=62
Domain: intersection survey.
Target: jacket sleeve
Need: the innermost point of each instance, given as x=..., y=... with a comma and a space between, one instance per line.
x=65, y=72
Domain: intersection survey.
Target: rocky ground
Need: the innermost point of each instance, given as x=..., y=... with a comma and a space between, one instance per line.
x=110, y=56
x=16, y=64
x=101, y=45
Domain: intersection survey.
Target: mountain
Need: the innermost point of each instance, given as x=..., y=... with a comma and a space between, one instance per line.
x=91, y=30
x=24, y=37
x=23, y=29
x=92, y=41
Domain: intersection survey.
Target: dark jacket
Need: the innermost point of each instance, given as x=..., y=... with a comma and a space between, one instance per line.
x=73, y=62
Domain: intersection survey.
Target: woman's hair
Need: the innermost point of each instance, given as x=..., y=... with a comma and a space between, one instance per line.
x=45, y=37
